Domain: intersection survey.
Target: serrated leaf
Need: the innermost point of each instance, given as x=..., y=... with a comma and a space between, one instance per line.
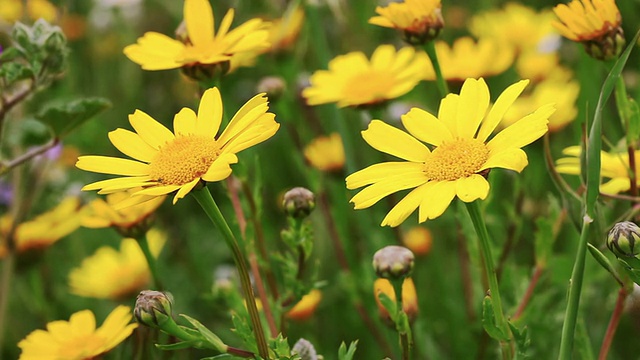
x=347, y=354
x=65, y=117
x=15, y=71
x=10, y=54
x=489, y=321
x=178, y=346
x=522, y=340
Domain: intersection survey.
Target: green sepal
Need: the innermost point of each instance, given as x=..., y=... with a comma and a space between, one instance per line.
x=212, y=339
x=489, y=321
x=389, y=305
x=602, y=260
x=179, y=345
x=63, y=118
x=345, y=353
x=632, y=268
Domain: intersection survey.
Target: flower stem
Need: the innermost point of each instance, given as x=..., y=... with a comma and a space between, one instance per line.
x=143, y=242
x=485, y=247
x=613, y=324
x=575, y=287
x=210, y=207
x=430, y=48
x=8, y=268
x=402, y=322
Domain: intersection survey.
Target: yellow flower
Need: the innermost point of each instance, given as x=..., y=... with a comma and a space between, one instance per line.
x=305, y=308
x=420, y=20
x=418, y=239
x=468, y=59
x=614, y=166
x=155, y=51
x=594, y=23
x=13, y=10
x=284, y=31
x=516, y=25
x=44, y=230
x=326, y=153
x=166, y=162
x=113, y=274
x=78, y=338
x=538, y=67
x=353, y=80
x=563, y=93
x=101, y=214
x=409, y=297
x=460, y=157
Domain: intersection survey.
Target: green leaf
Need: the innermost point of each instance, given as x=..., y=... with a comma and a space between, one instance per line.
x=633, y=131
x=602, y=260
x=523, y=342
x=15, y=71
x=489, y=321
x=544, y=239
x=63, y=118
x=10, y=54
x=178, y=346
x=390, y=305
x=632, y=267
x=347, y=354
x=212, y=339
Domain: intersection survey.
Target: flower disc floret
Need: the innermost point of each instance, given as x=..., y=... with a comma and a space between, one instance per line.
x=183, y=160
x=457, y=159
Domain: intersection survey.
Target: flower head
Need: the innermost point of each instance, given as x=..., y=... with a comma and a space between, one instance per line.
x=353, y=80
x=305, y=308
x=393, y=262
x=460, y=156
x=153, y=308
x=114, y=274
x=78, y=338
x=299, y=202
x=594, y=23
x=614, y=166
x=622, y=239
x=201, y=46
x=418, y=239
x=419, y=20
x=467, y=58
x=166, y=162
x=13, y=10
x=326, y=153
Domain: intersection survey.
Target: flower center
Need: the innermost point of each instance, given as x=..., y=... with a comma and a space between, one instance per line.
x=369, y=87
x=455, y=160
x=183, y=159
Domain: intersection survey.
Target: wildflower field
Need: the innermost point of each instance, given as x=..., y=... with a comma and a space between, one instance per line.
x=309, y=179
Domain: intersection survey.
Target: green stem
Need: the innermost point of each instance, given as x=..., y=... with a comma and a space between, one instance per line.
x=402, y=322
x=485, y=247
x=575, y=287
x=430, y=48
x=210, y=207
x=8, y=268
x=143, y=242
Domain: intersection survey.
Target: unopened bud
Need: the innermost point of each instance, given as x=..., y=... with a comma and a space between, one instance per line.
x=299, y=202
x=623, y=238
x=393, y=262
x=274, y=86
x=153, y=308
x=305, y=350
x=56, y=42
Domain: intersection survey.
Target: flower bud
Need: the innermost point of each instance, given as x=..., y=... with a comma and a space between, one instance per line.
x=298, y=202
x=393, y=262
x=622, y=239
x=409, y=298
x=153, y=308
x=274, y=86
x=304, y=348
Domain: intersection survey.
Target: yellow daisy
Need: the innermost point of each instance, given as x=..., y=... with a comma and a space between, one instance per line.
x=563, y=93
x=469, y=59
x=113, y=274
x=45, y=229
x=166, y=162
x=614, y=167
x=460, y=157
x=155, y=51
x=326, y=153
x=284, y=31
x=420, y=20
x=353, y=80
x=14, y=10
x=78, y=338
x=418, y=239
x=100, y=213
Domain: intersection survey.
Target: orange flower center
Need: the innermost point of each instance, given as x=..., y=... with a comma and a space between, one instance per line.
x=369, y=87
x=456, y=159
x=183, y=160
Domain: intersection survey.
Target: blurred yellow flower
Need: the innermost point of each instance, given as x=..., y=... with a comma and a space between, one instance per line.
x=563, y=94
x=420, y=20
x=113, y=274
x=469, y=59
x=409, y=297
x=14, y=10
x=78, y=338
x=418, y=239
x=166, y=162
x=614, y=166
x=353, y=80
x=516, y=25
x=45, y=229
x=305, y=308
x=326, y=153
x=100, y=213
x=284, y=31
x=155, y=51
x=537, y=67
x=460, y=157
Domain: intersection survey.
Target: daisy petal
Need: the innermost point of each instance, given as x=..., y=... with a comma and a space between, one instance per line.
x=185, y=189
x=248, y=113
x=184, y=122
x=111, y=165
x=389, y=185
x=472, y=107
x=130, y=144
x=155, y=51
x=512, y=159
x=151, y=131
x=209, y=113
x=436, y=199
x=406, y=206
x=157, y=190
x=447, y=113
x=379, y=172
x=615, y=186
x=393, y=141
x=198, y=16
x=471, y=188
x=426, y=127
x=500, y=107
x=220, y=169
x=524, y=131
x=260, y=130
x=121, y=181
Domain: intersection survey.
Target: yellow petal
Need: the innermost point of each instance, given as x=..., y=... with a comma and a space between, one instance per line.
x=209, y=113
x=130, y=144
x=436, y=199
x=512, y=159
x=615, y=186
x=124, y=182
x=198, y=16
x=184, y=122
x=220, y=169
x=225, y=24
x=471, y=188
x=247, y=114
x=499, y=108
x=378, y=172
x=405, y=207
x=389, y=185
x=185, y=189
x=393, y=141
x=426, y=127
x=111, y=165
x=261, y=130
x=472, y=107
x=155, y=51
x=447, y=113
x=151, y=131
x=523, y=131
